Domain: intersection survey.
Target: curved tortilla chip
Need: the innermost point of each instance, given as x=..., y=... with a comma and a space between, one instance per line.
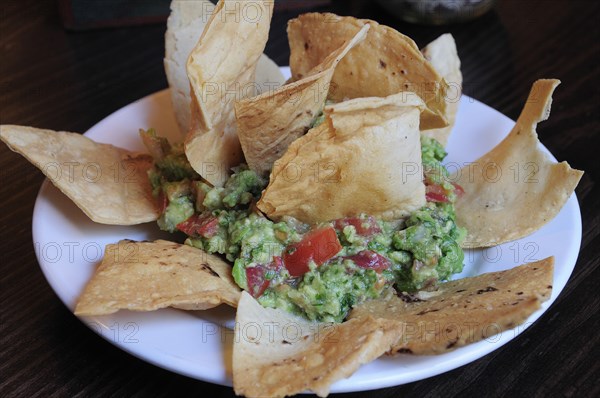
x=514, y=189
x=464, y=311
x=269, y=123
x=109, y=184
x=184, y=27
x=221, y=69
x=276, y=354
x=146, y=276
x=385, y=63
x=364, y=158
x=443, y=56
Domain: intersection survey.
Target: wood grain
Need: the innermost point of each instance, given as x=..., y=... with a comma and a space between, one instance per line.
x=64, y=80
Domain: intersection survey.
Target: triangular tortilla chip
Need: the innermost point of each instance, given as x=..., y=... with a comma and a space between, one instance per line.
x=221, y=69
x=276, y=354
x=146, y=276
x=365, y=158
x=109, y=184
x=514, y=189
x=443, y=56
x=269, y=123
x=385, y=63
x=184, y=27
x=463, y=311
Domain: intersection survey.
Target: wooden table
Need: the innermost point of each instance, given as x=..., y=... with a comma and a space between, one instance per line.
x=70, y=80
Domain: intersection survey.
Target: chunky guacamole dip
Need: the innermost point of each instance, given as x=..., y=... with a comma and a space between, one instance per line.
x=317, y=271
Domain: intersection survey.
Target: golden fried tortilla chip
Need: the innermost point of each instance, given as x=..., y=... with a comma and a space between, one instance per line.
x=464, y=311
x=221, y=69
x=514, y=189
x=443, y=56
x=146, y=276
x=109, y=184
x=364, y=158
x=277, y=354
x=269, y=123
x=184, y=28
x=385, y=63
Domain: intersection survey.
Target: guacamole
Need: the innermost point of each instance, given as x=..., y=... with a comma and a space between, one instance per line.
x=317, y=271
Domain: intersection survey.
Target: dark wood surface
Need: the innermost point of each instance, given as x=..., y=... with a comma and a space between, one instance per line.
x=68, y=81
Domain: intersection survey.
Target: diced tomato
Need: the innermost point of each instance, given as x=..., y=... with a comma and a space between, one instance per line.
x=205, y=225
x=162, y=201
x=370, y=260
x=435, y=197
x=318, y=245
x=435, y=193
x=209, y=228
x=364, y=227
x=458, y=190
x=256, y=277
x=257, y=283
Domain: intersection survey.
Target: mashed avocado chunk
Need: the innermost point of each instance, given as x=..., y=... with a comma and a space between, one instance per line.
x=318, y=271
x=327, y=293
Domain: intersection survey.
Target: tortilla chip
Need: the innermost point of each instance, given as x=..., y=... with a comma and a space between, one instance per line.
x=464, y=311
x=385, y=63
x=221, y=69
x=109, y=184
x=184, y=28
x=146, y=276
x=269, y=123
x=277, y=354
x=514, y=189
x=364, y=158
x=443, y=56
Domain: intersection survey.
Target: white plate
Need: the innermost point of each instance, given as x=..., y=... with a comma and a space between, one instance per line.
x=68, y=246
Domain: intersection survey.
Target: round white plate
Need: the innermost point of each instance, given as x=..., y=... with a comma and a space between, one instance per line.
x=69, y=246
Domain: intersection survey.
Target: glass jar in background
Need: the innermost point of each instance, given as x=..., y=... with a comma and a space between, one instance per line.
x=437, y=12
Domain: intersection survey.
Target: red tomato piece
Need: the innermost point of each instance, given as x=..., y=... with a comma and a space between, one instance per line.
x=318, y=245
x=370, y=260
x=162, y=201
x=209, y=228
x=363, y=227
x=458, y=190
x=435, y=193
x=256, y=277
x=257, y=284
x=435, y=197
x=205, y=225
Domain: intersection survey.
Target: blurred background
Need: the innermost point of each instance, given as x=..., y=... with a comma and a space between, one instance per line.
x=90, y=14
x=78, y=39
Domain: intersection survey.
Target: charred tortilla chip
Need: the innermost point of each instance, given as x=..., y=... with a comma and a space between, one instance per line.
x=109, y=184
x=146, y=276
x=269, y=123
x=464, y=311
x=221, y=69
x=514, y=189
x=277, y=354
x=364, y=158
x=385, y=63
x=443, y=56
x=184, y=28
